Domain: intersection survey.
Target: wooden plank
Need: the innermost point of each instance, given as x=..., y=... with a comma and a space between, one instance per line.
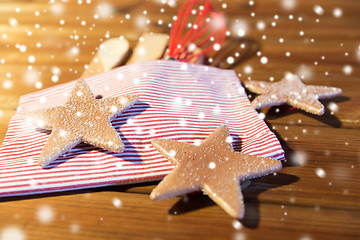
x=108, y=215
x=315, y=196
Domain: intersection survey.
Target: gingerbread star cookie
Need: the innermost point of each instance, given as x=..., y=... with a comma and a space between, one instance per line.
x=293, y=91
x=82, y=118
x=214, y=167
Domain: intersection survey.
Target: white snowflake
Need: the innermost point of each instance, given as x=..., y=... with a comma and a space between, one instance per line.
x=320, y=172
x=117, y=202
x=45, y=214
x=319, y=10
x=12, y=233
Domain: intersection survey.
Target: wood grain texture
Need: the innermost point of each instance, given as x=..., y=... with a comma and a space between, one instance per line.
x=298, y=203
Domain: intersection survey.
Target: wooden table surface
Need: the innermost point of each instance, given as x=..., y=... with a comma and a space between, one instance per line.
x=315, y=196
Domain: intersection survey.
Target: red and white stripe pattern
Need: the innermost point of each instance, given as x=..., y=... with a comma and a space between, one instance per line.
x=178, y=101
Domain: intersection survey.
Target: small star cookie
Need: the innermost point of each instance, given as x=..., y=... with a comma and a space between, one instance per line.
x=214, y=167
x=82, y=118
x=293, y=91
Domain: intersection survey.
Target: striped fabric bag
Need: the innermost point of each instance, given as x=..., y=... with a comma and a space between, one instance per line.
x=179, y=101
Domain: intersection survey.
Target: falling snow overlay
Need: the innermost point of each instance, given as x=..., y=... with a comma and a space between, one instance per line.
x=316, y=195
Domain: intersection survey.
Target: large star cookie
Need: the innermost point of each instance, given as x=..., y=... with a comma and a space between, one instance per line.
x=214, y=167
x=82, y=118
x=290, y=90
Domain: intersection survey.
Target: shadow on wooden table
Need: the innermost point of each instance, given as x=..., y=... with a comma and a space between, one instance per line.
x=259, y=185
x=327, y=118
x=193, y=202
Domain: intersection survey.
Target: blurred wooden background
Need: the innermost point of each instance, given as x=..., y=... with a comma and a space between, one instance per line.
x=315, y=196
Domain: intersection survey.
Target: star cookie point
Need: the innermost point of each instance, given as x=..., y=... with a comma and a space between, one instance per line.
x=213, y=167
x=81, y=118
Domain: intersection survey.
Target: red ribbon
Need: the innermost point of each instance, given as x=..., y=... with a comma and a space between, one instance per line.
x=206, y=31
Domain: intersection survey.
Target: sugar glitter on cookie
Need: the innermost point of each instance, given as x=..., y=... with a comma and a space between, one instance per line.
x=81, y=118
x=214, y=167
x=293, y=91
